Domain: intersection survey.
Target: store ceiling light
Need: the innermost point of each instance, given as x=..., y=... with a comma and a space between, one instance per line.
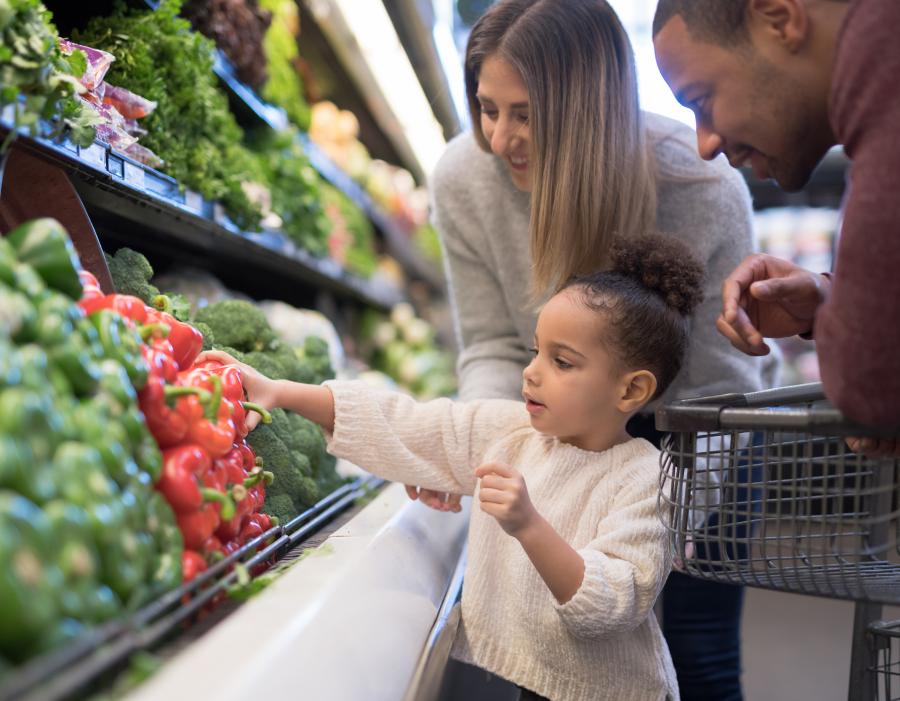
x=379, y=44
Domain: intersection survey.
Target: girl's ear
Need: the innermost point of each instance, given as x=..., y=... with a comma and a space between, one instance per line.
x=638, y=388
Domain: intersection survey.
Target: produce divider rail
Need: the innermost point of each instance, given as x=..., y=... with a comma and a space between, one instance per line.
x=118, y=190
x=68, y=671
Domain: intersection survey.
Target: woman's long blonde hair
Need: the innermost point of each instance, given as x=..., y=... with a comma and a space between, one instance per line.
x=591, y=168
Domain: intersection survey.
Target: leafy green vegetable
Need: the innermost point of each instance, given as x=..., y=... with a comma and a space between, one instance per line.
x=284, y=87
x=159, y=57
x=34, y=69
x=296, y=189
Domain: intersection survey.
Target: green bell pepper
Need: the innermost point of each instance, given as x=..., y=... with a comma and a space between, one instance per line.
x=57, y=316
x=29, y=413
x=121, y=343
x=28, y=282
x=18, y=316
x=29, y=582
x=75, y=360
x=80, y=476
x=20, y=471
x=45, y=245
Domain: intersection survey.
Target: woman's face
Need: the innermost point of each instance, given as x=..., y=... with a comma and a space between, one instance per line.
x=504, y=118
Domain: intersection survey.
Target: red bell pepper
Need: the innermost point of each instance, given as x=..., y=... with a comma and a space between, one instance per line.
x=158, y=353
x=182, y=466
x=167, y=425
x=214, y=430
x=232, y=384
x=90, y=288
x=199, y=525
x=192, y=564
x=125, y=305
x=186, y=340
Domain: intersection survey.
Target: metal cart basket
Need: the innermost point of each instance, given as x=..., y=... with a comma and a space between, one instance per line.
x=761, y=489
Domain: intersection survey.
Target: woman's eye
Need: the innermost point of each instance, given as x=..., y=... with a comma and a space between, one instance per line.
x=522, y=118
x=490, y=114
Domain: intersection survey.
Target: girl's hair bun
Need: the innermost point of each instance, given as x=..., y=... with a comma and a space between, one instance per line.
x=662, y=264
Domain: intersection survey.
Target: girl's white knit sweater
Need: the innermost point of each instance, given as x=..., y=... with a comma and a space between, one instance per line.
x=602, y=644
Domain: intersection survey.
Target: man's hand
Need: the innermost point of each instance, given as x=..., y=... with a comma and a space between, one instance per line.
x=440, y=501
x=504, y=496
x=768, y=297
x=875, y=447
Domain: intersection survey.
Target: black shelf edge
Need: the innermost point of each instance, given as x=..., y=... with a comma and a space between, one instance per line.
x=118, y=190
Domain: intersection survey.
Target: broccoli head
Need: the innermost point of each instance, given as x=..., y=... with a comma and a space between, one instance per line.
x=209, y=338
x=280, y=506
x=315, y=361
x=265, y=363
x=131, y=273
x=238, y=324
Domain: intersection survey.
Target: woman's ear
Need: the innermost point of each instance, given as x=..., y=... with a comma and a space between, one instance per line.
x=638, y=388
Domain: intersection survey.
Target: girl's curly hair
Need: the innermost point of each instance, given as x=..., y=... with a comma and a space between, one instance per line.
x=655, y=283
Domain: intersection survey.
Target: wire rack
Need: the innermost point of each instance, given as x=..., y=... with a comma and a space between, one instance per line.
x=761, y=489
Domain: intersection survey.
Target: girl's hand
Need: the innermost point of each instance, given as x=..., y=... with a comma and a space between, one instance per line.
x=504, y=496
x=258, y=387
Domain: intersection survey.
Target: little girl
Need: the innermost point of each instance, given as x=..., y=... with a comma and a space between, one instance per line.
x=567, y=553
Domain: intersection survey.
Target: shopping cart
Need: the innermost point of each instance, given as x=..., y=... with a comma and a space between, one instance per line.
x=761, y=489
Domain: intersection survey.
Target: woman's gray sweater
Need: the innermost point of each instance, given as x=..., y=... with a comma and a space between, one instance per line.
x=483, y=223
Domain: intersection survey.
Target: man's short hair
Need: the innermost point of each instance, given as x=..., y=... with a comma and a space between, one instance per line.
x=720, y=22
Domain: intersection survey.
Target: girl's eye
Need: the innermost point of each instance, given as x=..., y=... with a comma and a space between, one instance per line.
x=533, y=350
x=562, y=364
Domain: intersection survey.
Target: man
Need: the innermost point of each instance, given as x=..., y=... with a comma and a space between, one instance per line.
x=775, y=84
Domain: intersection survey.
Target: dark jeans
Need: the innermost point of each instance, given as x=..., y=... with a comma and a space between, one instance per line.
x=701, y=622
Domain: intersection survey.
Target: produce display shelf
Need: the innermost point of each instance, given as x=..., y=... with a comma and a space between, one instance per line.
x=252, y=110
x=69, y=671
x=146, y=207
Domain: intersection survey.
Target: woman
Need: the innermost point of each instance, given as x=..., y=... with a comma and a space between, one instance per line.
x=559, y=160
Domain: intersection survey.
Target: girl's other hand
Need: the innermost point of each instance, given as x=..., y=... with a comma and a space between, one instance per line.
x=504, y=496
x=439, y=501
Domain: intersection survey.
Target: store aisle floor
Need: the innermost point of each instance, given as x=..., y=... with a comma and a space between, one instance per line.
x=796, y=647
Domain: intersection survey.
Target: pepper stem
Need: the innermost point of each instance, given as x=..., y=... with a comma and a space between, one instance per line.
x=259, y=409
x=215, y=399
x=174, y=391
x=210, y=494
x=258, y=476
x=162, y=303
x=148, y=330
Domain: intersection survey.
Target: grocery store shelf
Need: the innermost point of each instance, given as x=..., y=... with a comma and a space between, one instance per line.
x=138, y=206
x=252, y=111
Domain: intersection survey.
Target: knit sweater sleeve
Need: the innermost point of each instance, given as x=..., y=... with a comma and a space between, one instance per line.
x=436, y=444
x=626, y=564
x=491, y=354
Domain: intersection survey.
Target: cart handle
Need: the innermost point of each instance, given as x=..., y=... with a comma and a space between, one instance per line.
x=769, y=409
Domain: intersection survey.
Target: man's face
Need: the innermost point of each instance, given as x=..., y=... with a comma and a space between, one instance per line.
x=750, y=104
